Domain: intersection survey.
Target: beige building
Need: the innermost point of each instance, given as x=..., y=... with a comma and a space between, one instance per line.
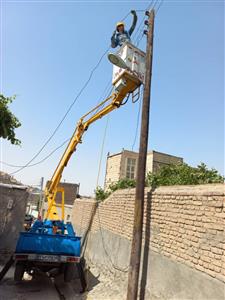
x=124, y=164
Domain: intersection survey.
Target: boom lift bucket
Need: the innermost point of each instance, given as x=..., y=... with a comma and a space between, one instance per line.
x=128, y=67
x=52, y=243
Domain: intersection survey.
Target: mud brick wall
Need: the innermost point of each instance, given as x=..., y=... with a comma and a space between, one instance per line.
x=82, y=213
x=183, y=223
x=13, y=201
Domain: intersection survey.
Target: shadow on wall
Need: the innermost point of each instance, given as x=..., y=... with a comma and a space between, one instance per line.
x=145, y=259
x=85, y=234
x=178, y=218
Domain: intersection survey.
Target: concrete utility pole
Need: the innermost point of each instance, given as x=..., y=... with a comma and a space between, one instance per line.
x=41, y=195
x=133, y=275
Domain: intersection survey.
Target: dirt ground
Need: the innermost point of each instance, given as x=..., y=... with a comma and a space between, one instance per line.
x=99, y=287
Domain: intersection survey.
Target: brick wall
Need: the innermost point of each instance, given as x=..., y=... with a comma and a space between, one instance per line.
x=82, y=213
x=185, y=223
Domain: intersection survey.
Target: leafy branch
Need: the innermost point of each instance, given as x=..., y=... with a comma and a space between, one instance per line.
x=8, y=121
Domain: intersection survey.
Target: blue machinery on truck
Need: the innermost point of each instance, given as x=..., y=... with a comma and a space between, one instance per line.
x=53, y=244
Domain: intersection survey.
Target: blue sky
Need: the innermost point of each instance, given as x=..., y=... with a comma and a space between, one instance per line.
x=48, y=50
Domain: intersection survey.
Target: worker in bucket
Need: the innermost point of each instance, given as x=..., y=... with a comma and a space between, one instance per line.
x=120, y=35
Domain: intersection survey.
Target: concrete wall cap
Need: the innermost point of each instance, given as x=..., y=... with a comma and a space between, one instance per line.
x=85, y=200
x=203, y=189
x=216, y=189
x=13, y=186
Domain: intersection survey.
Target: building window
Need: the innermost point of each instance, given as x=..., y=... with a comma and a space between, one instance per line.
x=68, y=217
x=130, y=170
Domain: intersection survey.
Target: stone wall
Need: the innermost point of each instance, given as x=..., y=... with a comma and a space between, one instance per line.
x=183, y=231
x=13, y=201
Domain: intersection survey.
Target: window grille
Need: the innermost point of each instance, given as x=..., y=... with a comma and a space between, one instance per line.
x=130, y=169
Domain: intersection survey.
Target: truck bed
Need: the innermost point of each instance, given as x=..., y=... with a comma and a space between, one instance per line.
x=48, y=244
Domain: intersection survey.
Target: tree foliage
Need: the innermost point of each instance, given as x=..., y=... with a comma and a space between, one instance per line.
x=8, y=122
x=183, y=174
x=179, y=174
x=101, y=194
x=124, y=183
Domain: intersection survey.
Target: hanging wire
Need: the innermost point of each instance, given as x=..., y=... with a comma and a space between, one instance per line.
x=139, y=29
x=102, y=149
x=139, y=35
x=154, y=5
x=160, y=4
x=137, y=124
x=53, y=151
x=65, y=115
x=125, y=102
x=125, y=16
x=68, y=110
x=107, y=92
x=104, y=247
x=39, y=162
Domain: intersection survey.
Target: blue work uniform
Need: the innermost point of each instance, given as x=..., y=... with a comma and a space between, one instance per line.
x=119, y=38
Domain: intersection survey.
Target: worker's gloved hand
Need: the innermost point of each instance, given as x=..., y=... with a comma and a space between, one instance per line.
x=133, y=12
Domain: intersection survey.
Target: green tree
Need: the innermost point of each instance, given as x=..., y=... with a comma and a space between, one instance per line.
x=101, y=194
x=122, y=184
x=183, y=174
x=179, y=174
x=8, y=122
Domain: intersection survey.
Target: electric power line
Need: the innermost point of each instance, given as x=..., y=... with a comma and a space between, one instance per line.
x=102, y=149
x=65, y=115
x=139, y=38
x=137, y=125
x=39, y=162
x=58, y=147
x=68, y=110
x=142, y=20
x=141, y=26
x=160, y=4
x=153, y=5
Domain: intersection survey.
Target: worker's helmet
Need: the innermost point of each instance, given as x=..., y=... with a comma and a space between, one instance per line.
x=120, y=24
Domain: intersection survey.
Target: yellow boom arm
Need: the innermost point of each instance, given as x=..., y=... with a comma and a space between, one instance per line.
x=98, y=112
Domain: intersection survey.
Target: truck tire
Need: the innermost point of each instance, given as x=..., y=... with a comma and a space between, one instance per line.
x=19, y=271
x=80, y=269
x=69, y=272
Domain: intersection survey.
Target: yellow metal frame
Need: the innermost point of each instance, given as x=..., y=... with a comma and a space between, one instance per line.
x=52, y=210
x=116, y=98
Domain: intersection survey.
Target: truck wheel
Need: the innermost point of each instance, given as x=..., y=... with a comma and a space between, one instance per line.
x=69, y=272
x=19, y=271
